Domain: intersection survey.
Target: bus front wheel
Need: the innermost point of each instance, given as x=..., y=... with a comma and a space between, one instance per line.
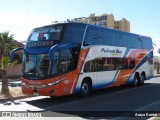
x=85, y=88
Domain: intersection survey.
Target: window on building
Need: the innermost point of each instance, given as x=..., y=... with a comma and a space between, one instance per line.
x=104, y=23
x=103, y=17
x=93, y=19
x=99, y=23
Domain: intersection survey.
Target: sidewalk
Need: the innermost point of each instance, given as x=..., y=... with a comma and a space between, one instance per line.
x=155, y=74
x=15, y=90
x=11, y=80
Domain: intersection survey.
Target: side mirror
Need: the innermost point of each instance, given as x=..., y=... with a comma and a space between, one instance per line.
x=13, y=51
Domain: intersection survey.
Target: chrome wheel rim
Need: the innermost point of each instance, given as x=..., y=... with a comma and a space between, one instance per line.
x=85, y=88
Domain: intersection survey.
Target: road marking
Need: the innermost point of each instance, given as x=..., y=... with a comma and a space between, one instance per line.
x=33, y=98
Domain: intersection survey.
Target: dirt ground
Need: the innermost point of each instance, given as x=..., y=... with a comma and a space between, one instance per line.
x=14, y=91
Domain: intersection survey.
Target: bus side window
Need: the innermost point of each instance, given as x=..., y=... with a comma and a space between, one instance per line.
x=93, y=36
x=147, y=43
x=130, y=41
x=87, y=67
x=120, y=40
x=139, y=43
x=54, y=64
x=66, y=61
x=73, y=33
x=108, y=38
x=131, y=63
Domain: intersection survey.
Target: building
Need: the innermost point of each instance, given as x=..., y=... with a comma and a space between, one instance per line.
x=123, y=25
x=105, y=20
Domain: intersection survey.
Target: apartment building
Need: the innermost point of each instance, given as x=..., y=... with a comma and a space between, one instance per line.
x=123, y=25
x=105, y=20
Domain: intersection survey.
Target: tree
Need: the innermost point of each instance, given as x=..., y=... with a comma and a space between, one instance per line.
x=157, y=65
x=6, y=46
x=4, y=65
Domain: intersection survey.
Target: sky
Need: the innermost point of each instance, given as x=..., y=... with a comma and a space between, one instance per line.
x=21, y=16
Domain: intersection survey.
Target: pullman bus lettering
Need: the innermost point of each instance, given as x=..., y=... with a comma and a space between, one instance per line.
x=110, y=51
x=107, y=50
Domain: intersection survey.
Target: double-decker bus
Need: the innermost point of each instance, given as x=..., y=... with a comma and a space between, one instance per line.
x=68, y=58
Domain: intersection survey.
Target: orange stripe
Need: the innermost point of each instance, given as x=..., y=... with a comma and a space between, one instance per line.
x=123, y=75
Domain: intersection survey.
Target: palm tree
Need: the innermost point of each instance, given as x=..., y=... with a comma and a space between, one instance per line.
x=4, y=65
x=6, y=45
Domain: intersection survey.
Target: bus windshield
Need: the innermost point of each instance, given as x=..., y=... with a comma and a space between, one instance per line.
x=36, y=66
x=45, y=33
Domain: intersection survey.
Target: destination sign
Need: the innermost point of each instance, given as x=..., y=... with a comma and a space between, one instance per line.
x=40, y=44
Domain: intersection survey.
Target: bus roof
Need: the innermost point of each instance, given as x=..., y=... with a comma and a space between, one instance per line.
x=85, y=24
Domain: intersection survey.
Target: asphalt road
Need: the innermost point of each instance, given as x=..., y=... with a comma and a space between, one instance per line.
x=115, y=103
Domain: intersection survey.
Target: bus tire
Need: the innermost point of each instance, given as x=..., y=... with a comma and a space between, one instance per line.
x=141, y=81
x=85, y=88
x=136, y=80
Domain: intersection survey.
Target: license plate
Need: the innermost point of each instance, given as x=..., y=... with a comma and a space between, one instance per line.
x=36, y=94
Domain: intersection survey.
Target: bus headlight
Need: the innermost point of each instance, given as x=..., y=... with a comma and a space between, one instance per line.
x=54, y=83
x=34, y=86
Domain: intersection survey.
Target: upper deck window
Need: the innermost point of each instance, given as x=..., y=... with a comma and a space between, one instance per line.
x=46, y=33
x=73, y=33
x=93, y=36
x=42, y=36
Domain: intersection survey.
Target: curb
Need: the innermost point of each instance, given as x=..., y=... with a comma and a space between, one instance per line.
x=14, y=98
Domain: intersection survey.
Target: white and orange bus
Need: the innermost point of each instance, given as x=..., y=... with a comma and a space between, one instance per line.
x=68, y=58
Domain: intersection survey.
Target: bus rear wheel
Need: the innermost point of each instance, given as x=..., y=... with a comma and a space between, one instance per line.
x=136, y=80
x=85, y=88
x=141, y=81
